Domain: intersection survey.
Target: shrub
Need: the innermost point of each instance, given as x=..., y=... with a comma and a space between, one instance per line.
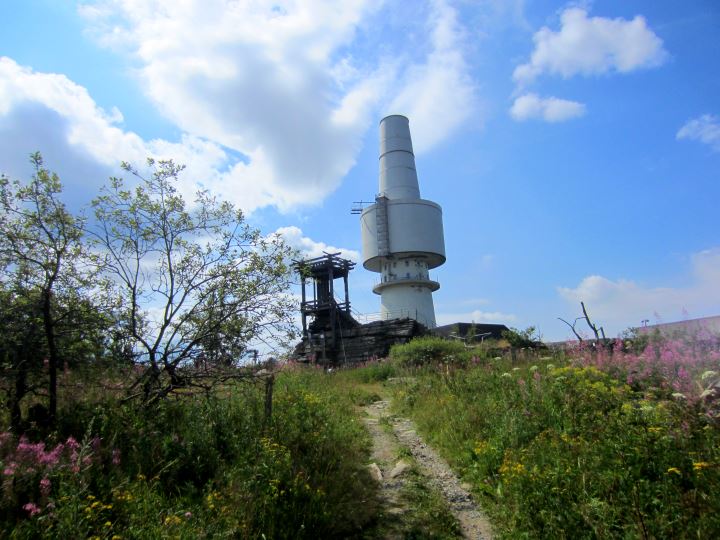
x=429, y=350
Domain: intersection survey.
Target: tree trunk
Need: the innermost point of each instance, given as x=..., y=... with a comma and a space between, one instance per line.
x=16, y=397
x=52, y=353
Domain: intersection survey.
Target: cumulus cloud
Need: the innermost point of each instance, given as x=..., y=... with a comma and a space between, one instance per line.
x=439, y=94
x=476, y=316
x=551, y=109
x=281, y=84
x=592, y=46
x=618, y=304
x=705, y=129
x=84, y=143
x=308, y=247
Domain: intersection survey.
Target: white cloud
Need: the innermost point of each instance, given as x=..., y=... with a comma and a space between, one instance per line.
x=550, y=109
x=592, y=46
x=51, y=113
x=281, y=83
x=705, y=129
x=439, y=95
x=87, y=125
x=623, y=303
x=308, y=247
x=476, y=316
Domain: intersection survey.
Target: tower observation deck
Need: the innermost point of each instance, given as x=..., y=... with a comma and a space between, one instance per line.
x=402, y=234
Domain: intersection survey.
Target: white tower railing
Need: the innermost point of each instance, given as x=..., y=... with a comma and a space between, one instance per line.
x=402, y=234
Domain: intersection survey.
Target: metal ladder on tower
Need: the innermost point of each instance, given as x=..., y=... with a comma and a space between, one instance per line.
x=381, y=226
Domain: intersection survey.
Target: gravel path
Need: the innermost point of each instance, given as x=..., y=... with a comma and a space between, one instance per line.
x=473, y=523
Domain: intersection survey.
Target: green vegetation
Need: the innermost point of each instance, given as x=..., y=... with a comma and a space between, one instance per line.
x=566, y=448
x=126, y=413
x=196, y=467
x=430, y=350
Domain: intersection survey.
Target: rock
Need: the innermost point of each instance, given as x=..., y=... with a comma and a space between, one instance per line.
x=375, y=472
x=400, y=468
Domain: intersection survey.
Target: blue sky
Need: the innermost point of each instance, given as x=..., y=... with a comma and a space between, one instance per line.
x=574, y=147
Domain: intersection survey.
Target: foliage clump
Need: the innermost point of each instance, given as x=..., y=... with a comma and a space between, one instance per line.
x=430, y=350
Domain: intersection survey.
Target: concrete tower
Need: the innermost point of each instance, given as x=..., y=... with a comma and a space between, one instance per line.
x=402, y=234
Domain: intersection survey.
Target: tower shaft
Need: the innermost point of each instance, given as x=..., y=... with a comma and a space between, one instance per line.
x=402, y=234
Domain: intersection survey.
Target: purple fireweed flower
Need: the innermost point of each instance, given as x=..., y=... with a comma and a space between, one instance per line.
x=45, y=486
x=72, y=444
x=31, y=508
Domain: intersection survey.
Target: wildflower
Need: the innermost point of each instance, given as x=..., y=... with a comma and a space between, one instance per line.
x=708, y=374
x=172, y=520
x=31, y=508
x=72, y=444
x=506, y=375
x=45, y=486
x=108, y=524
x=700, y=465
x=550, y=366
x=533, y=368
x=188, y=515
x=678, y=395
x=674, y=470
x=516, y=369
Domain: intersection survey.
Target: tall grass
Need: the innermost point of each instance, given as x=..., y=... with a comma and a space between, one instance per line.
x=598, y=444
x=195, y=468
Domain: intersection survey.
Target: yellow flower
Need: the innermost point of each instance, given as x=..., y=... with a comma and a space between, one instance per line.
x=108, y=524
x=674, y=470
x=172, y=520
x=700, y=465
x=654, y=429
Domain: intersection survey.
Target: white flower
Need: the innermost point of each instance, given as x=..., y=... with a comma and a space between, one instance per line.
x=678, y=395
x=506, y=374
x=709, y=373
x=533, y=368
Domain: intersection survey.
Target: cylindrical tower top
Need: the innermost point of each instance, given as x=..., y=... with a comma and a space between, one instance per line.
x=398, y=178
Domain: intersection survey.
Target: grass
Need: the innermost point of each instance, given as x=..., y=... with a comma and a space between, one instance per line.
x=620, y=442
x=196, y=468
x=556, y=447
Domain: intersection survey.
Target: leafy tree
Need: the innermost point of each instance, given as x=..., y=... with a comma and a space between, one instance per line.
x=41, y=257
x=195, y=282
x=522, y=338
x=22, y=349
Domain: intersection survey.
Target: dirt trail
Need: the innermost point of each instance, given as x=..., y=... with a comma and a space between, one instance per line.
x=473, y=523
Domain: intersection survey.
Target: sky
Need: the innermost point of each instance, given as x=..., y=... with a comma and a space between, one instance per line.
x=573, y=146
